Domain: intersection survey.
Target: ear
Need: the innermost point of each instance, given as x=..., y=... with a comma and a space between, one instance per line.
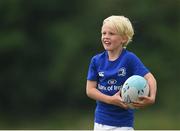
x=124, y=39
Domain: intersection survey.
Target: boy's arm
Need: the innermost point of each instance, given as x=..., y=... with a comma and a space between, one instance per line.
x=95, y=94
x=152, y=86
x=148, y=100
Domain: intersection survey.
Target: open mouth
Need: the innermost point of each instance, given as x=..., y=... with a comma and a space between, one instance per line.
x=107, y=43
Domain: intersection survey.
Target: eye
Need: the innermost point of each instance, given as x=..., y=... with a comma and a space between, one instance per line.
x=111, y=33
x=103, y=33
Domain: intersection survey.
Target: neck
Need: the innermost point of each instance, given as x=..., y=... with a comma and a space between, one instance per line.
x=113, y=55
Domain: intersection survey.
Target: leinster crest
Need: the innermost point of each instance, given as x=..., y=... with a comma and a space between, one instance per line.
x=122, y=71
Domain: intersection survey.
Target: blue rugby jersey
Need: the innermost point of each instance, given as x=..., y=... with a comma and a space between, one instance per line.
x=110, y=76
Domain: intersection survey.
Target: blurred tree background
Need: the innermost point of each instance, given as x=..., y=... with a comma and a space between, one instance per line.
x=46, y=47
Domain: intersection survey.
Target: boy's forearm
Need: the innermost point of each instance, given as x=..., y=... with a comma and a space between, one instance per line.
x=95, y=94
x=152, y=85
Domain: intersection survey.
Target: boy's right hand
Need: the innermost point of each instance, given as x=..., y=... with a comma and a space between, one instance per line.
x=117, y=100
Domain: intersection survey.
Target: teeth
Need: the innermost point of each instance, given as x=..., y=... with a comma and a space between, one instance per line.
x=106, y=42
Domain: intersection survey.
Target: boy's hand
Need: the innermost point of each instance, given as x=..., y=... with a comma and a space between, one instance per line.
x=143, y=102
x=117, y=100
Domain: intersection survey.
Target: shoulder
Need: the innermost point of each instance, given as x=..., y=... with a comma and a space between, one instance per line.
x=99, y=56
x=129, y=55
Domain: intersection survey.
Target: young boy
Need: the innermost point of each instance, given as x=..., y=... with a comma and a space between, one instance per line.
x=109, y=70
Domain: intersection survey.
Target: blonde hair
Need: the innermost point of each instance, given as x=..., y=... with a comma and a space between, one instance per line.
x=123, y=27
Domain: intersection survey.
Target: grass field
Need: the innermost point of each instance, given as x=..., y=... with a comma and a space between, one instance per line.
x=157, y=121
x=77, y=120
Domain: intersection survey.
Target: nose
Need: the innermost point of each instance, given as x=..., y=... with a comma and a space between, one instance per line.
x=105, y=36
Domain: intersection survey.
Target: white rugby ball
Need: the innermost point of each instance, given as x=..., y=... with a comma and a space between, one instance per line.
x=134, y=87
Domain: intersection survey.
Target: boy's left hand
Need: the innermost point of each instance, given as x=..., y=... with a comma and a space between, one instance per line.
x=143, y=102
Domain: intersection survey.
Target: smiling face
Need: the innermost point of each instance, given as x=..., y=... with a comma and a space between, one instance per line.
x=111, y=39
x=116, y=29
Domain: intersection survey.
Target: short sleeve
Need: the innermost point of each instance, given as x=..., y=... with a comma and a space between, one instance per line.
x=92, y=71
x=137, y=67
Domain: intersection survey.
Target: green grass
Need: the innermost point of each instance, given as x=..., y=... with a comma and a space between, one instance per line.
x=83, y=120
x=157, y=120
x=62, y=120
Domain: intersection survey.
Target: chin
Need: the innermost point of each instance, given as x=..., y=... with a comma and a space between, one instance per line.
x=108, y=49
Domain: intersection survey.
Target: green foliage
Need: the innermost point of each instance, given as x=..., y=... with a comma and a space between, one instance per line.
x=46, y=47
